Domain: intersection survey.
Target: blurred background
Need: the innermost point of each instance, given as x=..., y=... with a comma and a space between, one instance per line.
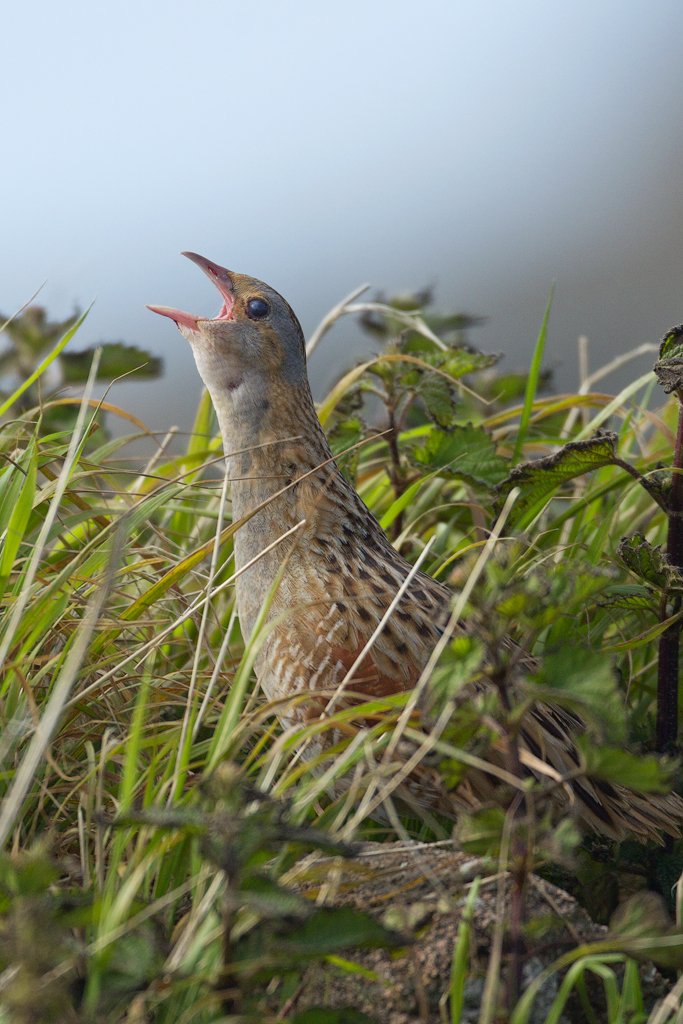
x=485, y=149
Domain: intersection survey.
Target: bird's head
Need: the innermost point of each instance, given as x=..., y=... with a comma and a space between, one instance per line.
x=254, y=342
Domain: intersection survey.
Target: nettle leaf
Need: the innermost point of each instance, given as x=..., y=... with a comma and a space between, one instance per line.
x=649, y=563
x=117, y=358
x=134, y=960
x=438, y=398
x=334, y=928
x=269, y=899
x=642, y=928
x=669, y=366
x=466, y=452
x=457, y=362
x=584, y=680
x=326, y=931
x=631, y=596
x=31, y=873
x=644, y=773
x=449, y=324
x=459, y=664
x=540, y=600
x=538, y=480
x=480, y=832
x=343, y=436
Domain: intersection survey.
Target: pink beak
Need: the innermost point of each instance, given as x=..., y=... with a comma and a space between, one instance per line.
x=223, y=281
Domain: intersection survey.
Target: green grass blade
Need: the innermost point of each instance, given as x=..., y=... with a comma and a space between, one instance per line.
x=43, y=365
x=20, y=505
x=461, y=955
x=532, y=382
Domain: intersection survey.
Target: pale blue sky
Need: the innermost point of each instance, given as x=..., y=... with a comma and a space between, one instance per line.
x=486, y=147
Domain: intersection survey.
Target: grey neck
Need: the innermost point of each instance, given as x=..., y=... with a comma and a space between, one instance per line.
x=262, y=459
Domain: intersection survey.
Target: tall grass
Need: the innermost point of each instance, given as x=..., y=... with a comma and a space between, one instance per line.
x=126, y=682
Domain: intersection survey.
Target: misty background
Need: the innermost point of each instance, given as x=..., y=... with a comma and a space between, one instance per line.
x=487, y=149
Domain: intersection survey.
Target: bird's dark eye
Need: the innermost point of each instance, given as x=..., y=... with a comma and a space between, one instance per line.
x=257, y=309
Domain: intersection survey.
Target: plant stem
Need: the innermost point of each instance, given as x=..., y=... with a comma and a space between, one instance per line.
x=395, y=470
x=667, y=674
x=519, y=861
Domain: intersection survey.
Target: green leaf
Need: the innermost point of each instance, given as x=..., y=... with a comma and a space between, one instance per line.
x=270, y=900
x=116, y=360
x=644, y=773
x=649, y=563
x=327, y=930
x=438, y=398
x=669, y=366
x=133, y=961
x=459, y=664
x=538, y=480
x=632, y=596
x=458, y=362
x=585, y=680
x=30, y=873
x=344, y=435
x=481, y=831
x=334, y=928
x=467, y=452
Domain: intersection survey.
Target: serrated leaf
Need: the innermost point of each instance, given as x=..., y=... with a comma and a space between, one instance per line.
x=344, y=440
x=584, y=680
x=344, y=435
x=270, y=900
x=116, y=359
x=327, y=930
x=29, y=874
x=630, y=596
x=644, y=773
x=459, y=664
x=481, y=831
x=438, y=398
x=334, y=928
x=649, y=563
x=457, y=362
x=669, y=367
x=466, y=452
x=538, y=480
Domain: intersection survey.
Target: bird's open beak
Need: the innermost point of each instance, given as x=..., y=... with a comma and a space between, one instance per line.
x=223, y=281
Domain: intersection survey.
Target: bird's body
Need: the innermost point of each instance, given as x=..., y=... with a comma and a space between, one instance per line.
x=312, y=549
x=341, y=573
